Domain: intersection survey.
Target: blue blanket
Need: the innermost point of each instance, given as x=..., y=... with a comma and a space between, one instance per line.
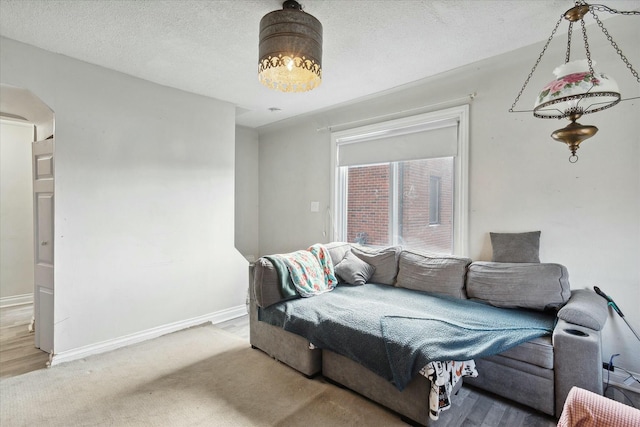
x=395, y=332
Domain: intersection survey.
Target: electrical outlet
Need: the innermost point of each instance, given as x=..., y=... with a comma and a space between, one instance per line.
x=608, y=367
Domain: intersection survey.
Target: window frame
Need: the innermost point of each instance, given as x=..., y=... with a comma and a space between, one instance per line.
x=461, y=169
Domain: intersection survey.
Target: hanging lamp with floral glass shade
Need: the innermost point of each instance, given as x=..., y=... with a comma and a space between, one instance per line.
x=578, y=88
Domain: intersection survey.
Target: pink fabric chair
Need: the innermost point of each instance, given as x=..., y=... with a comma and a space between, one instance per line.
x=586, y=409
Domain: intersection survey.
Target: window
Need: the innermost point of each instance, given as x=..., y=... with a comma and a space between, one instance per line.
x=404, y=182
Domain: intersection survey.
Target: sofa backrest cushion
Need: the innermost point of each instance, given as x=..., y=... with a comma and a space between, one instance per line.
x=353, y=270
x=538, y=286
x=385, y=261
x=433, y=273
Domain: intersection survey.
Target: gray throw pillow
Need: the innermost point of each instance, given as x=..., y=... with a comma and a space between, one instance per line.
x=516, y=247
x=337, y=250
x=385, y=261
x=353, y=270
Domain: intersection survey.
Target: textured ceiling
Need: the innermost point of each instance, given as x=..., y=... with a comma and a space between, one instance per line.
x=211, y=47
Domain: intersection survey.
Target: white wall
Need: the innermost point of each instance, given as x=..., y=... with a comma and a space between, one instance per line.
x=294, y=171
x=246, y=229
x=144, y=199
x=520, y=179
x=16, y=210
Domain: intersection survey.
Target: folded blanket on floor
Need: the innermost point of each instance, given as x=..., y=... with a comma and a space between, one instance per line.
x=395, y=332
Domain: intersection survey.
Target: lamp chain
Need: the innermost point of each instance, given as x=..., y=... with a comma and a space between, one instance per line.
x=544, y=49
x=610, y=39
x=567, y=57
x=603, y=8
x=587, y=51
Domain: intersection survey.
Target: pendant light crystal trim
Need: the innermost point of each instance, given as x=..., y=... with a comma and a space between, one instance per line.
x=290, y=49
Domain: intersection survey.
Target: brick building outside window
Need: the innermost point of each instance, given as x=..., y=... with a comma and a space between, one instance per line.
x=408, y=203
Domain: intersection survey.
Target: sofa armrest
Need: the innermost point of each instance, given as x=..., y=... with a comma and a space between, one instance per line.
x=284, y=346
x=585, y=308
x=264, y=284
x=577, y=345
x=577, y=360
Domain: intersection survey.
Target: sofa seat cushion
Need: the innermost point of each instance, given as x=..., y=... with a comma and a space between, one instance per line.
x=432, y=273
x=395, y=332
x=518, y=381
x=538, y=352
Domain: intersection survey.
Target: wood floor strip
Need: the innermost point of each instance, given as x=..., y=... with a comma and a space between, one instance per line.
x=18, y=354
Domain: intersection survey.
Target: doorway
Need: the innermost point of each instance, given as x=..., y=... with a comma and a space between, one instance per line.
x=21, y=108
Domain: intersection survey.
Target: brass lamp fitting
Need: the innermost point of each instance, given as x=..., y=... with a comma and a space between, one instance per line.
x=573, y=134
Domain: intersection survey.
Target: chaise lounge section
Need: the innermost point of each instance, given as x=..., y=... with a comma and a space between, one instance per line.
x=538, y=373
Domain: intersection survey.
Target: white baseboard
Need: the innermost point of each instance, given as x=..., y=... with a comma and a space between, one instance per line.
x=104, y=346
x=16, y=300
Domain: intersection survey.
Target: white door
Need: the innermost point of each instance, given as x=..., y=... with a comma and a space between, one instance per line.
x=43, y=236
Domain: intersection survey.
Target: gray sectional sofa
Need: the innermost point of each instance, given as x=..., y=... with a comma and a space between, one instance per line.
x=538, y=373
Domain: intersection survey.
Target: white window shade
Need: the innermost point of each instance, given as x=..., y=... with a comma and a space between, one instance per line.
x=422, y=141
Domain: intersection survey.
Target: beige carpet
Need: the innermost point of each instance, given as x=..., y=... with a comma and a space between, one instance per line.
x=201, y=376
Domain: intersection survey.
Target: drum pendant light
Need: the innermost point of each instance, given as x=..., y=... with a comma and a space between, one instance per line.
x=290, y=49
